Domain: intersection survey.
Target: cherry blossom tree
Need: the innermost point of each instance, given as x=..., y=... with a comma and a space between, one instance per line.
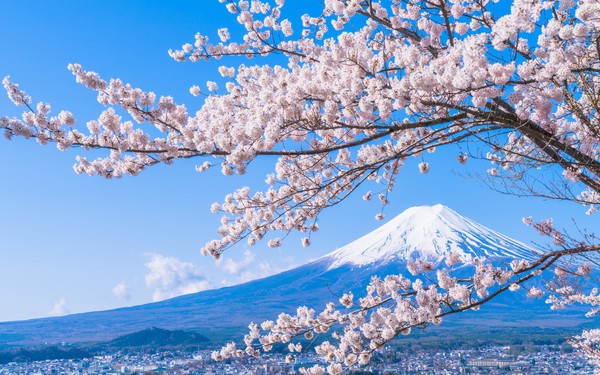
x=356, y=90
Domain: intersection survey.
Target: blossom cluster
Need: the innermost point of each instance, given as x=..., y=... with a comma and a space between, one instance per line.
x=589, y=343
x=392, y=306
x=350, y=94
x=353, y=103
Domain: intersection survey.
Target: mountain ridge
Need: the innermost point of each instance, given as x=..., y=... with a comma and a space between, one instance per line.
x=230, y=309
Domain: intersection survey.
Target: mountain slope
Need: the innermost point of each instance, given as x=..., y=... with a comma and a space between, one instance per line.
x=429, y=232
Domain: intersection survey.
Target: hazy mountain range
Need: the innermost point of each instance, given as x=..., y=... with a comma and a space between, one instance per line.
x=427, y=232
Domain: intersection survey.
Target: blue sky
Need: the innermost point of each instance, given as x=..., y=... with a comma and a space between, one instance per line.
x=71, y=243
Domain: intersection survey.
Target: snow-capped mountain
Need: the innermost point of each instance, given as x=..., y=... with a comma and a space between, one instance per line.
x=429, y=232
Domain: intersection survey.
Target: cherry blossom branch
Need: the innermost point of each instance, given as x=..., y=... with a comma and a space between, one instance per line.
x=396, y=305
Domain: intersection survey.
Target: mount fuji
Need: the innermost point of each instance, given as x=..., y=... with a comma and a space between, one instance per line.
x=429, y=232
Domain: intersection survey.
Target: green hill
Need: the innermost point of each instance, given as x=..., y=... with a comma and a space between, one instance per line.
x=158, y=338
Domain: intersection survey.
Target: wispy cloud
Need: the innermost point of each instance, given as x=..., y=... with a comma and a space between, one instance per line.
x=170, y=277
x=121, y=291
x=60, y=308
x=239, y=267
x=248, y=268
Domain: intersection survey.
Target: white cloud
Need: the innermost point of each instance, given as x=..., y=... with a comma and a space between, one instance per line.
x=170, y=277
x=121, y=291
x=60, y=308
x=236, y=268
x=247, y=268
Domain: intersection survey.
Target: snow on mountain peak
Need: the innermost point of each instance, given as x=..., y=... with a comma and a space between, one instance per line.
x=428, y=232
